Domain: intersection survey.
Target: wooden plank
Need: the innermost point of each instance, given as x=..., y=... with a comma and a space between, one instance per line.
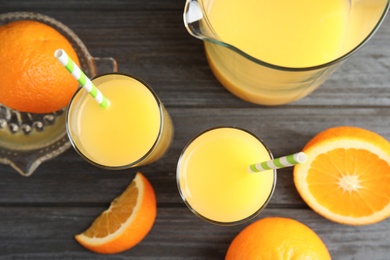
x=50, y=230
x=86, y=5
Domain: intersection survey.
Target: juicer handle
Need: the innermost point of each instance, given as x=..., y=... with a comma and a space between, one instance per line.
x=103, y=65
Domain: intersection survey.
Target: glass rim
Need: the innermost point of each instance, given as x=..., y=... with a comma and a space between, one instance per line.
x=212, y=221
x=80, y=91
x=207, y=38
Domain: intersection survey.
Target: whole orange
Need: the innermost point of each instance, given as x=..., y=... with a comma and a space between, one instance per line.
x=32, y=80
x=277, y=238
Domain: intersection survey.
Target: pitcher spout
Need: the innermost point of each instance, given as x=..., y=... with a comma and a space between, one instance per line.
x=196, y=22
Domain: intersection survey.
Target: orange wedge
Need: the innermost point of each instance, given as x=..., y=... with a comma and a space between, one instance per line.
x=347, y=175
x=125, y=223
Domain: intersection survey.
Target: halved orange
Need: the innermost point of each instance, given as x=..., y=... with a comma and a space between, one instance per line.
x=125, y=223
x=347, y=175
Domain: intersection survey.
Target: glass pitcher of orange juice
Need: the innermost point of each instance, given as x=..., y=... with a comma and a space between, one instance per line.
x=276, y=52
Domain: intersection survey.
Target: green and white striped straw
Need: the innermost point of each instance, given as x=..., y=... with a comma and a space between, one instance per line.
x=282, y=162
x=80, y=76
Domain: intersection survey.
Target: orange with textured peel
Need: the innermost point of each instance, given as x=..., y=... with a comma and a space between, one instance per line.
x=125, y=223
x=277, y=238
x=32, y=80
x=347, y=175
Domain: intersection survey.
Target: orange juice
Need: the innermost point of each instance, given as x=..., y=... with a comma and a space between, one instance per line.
x=289, y=34
x=213, y=177
x=300, y=33
x=276, y=52
x=134, y=130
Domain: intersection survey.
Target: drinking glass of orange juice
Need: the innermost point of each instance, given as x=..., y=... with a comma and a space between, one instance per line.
x=134, y=130
x=276, y=52
x=213, y=178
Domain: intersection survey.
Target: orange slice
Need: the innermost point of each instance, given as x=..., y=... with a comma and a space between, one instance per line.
x=125, y=223
x=347, y=175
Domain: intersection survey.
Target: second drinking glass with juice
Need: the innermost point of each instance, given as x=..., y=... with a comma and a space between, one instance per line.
x=213, y=177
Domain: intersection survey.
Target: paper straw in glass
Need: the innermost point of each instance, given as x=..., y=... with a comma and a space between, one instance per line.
x=281, y=162
x=80, y=76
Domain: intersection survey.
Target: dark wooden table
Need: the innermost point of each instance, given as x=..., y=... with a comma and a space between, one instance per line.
x=40, y=214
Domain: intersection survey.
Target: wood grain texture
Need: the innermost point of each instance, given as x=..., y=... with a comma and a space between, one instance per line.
x=39, y=215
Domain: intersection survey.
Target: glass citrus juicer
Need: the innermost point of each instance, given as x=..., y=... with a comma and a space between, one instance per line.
x=28, y=139
x=276, y=52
